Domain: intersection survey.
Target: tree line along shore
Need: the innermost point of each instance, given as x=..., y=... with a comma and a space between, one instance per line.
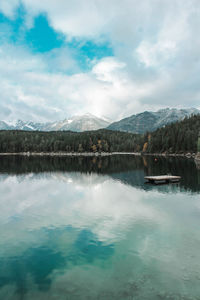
x=176, y=138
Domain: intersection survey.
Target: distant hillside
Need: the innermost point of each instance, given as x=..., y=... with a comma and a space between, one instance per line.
x=179, y=137
x=150, y=121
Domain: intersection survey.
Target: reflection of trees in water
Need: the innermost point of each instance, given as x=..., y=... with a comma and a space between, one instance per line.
x=197, y=162
x=104, y=165
x=128, y=169
x=183, y=167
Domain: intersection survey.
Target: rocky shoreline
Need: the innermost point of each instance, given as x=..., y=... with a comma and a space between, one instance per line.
x=69, y=153
x=197, y=156
x=188, y=155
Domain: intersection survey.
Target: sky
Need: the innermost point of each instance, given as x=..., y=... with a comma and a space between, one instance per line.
x=60, y=58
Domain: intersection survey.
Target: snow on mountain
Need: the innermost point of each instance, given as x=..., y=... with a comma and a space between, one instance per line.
x=139, y=123
x=75, y=123
x=150, y=121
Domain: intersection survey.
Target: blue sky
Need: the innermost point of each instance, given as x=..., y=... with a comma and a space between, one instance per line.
x=42, y=38
x=114, y=59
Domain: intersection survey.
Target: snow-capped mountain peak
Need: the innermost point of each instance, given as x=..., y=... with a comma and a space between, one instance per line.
x=75, y=123
x=139, y=123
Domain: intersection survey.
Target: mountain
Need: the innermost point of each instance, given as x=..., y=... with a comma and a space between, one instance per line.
x=4, y=126
x=80, y=123
x=76, y=123
x=150, y=121
x=139, y=123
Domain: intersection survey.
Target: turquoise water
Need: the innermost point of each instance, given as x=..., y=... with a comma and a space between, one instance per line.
x=90, y=228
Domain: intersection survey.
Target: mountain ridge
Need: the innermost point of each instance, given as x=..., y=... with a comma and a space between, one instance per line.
x=76, y=123
x=138, y=123
x=150, y=121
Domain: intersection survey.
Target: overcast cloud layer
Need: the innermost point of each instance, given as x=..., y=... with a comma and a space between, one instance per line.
x=155, y=59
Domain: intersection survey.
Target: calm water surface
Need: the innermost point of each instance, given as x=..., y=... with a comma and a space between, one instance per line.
x=90, y=228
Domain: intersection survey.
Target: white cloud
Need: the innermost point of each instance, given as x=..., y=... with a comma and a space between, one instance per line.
x=155, y=63
x=36, y=94
x=8, y=7
x=92, y=202
x=157, y=54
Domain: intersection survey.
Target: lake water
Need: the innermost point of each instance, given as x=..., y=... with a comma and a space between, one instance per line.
x=90, y=228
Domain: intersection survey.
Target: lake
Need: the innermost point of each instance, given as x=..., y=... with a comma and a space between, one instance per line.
x=91, y=228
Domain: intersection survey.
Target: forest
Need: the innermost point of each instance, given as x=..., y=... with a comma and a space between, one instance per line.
x=178, y=137
x=66, y=141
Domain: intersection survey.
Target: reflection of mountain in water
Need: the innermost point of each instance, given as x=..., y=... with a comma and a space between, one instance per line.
x=128, y=169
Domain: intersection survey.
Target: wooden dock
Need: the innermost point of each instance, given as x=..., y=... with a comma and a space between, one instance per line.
x=163, y=179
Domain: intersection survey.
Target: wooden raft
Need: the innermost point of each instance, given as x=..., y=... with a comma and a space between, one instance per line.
x=163, y=179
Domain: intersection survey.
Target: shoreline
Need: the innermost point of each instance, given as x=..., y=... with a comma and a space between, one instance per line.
x=69, y=153
x=89, y=154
